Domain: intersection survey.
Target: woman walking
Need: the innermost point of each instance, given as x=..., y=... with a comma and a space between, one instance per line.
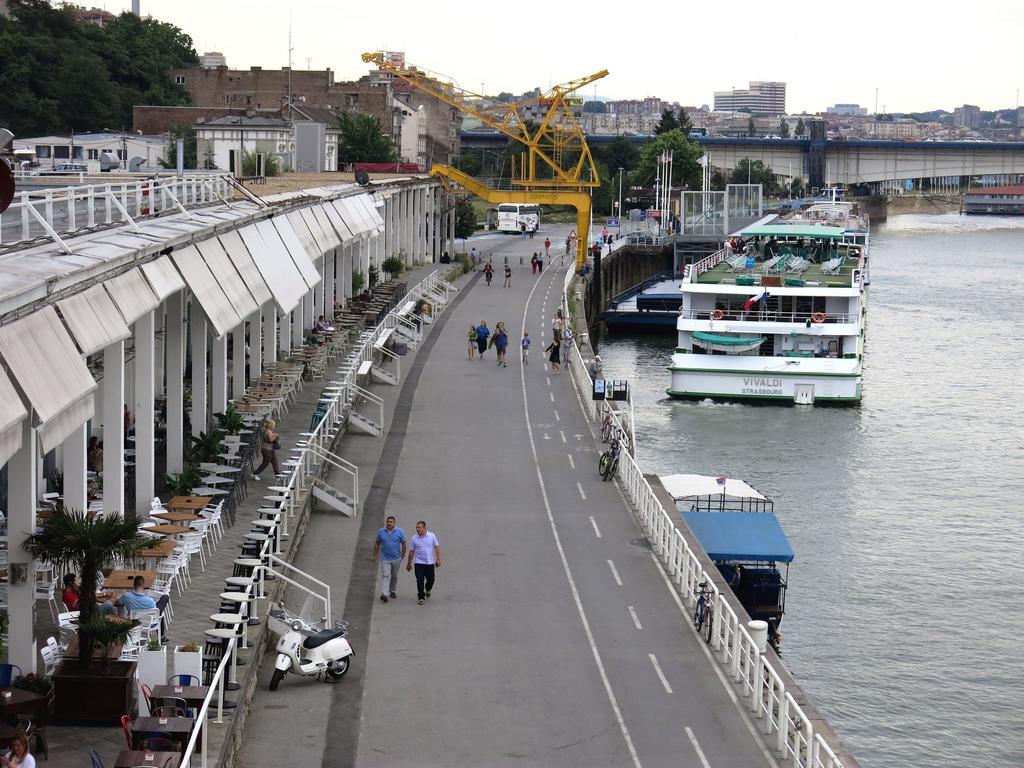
x=482, y=332
x=554, y=350
x=471, y=338
x=501, y=343
x=270, y=444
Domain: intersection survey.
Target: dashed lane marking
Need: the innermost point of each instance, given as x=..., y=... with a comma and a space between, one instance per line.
x=572, y=461
x=593, y=522
x=700, y=752
x=636, y=619
x=661, y=675
x=557, y=417
x=579, y=487
x=615, y=573
x=563, y=436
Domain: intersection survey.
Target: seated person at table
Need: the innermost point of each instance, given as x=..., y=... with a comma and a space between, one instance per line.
x=323, y=326
x=19, y=756
x=136, y=599
x=71, y=595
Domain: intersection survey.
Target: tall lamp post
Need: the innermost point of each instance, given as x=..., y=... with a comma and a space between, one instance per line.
x=620, y=200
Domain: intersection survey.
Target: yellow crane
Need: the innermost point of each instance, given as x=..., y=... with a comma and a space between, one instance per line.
x=556, y=168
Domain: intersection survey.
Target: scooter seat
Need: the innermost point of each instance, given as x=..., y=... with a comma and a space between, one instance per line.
x=319, y=638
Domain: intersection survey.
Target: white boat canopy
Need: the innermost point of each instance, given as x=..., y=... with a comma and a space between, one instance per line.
x=694, y=486
x=93, y=319
x=50, y=371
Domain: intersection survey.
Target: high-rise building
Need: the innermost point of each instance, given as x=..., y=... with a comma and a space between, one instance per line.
x=763, y=97
x=212, y=60
x=967, y=116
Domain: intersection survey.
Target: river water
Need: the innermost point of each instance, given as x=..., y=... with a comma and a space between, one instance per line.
x=904, y=617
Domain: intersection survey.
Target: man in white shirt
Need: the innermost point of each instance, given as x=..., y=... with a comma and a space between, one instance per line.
x=425, y=552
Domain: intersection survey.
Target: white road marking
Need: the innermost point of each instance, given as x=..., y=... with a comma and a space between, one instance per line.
x=552, y=396
x=593, y=522
x=615, y=573
x=548, y=380
x=557, y=417
x=563, y=436
x=572, y=461
x=579, y=487
x=700, y=752
x=661, y=675
x=636, y=619
x=612, y=700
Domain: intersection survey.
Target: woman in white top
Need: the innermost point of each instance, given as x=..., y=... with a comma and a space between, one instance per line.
x=19, y=756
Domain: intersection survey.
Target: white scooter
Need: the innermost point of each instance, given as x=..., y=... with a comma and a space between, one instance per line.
x=307, y=648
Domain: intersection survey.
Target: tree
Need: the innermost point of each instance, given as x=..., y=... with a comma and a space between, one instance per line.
x=468, y=164
x=188, y=133
x=751, y=128
x=685, y=124
x=465, y=217
x=73, y=542
x=590, y=107
x=686, y=171
x=363, y=140
x=392, y=265
x=749, y=171
x=617, y=153
x=667, y=123
x=784, y=128
x=271, y=164
x=801, y=129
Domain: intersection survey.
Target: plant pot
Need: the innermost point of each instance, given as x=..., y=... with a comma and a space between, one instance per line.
x=152, y=671
x=98, y=696
x=188, y=663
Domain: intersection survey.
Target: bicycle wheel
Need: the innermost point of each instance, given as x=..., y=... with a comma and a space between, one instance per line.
x=602, y=464
x=707, y=626
x=613, y=467
x=698, y=615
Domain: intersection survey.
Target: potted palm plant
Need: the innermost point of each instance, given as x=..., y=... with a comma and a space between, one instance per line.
x=87, y=692
x=230, y=421
x=182, y=483
x=207, y=445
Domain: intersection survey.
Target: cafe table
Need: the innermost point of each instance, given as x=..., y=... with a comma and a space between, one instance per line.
x=157, y=551
x=124, y=579
x=169, y=529
x=14, y=701
x=178, y=728
x=189, y=502
x=131, y=758
x=194, y=695
x=177, y=517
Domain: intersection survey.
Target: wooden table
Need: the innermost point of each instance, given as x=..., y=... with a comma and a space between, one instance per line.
x=20, y=701
x=161, y=548
x=178, y=728
x=120, y=579
x=177, y=517
x=194, y=695
x=189, y=502
x=129, y=758
x=169, y=530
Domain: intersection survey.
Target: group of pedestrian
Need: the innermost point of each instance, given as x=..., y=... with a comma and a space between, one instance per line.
x=537, y=263
x=424, y=556
x=562, y=343
x=479, y=338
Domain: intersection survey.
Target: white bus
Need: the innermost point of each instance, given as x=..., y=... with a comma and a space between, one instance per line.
x=512, y=217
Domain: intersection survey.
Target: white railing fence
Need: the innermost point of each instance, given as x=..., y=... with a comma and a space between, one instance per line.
x=203, y=715
x=55, y=212
x=761, y=687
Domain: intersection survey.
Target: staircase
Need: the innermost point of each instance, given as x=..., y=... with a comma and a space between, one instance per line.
x=361, y=423
x=334, y=498
x=383, y=376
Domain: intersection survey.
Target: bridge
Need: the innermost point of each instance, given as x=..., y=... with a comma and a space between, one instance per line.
x=880, y=165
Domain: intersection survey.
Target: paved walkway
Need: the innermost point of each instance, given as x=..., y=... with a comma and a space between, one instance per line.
x=552, y=637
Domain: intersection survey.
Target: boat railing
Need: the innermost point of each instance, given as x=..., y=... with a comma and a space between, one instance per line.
x=634, y=290
x=692, y=271
x=770, y=316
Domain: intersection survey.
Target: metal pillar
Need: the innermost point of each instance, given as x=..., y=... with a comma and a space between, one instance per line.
x=284, y=334
x=21, y=511
x=145, y=389
x=269, y=333
x=309, y=300
x=255, y=346
x=199, y=342
x=238, y=361
x=175, y=344
x=219, y=364
x=296, y=320
x=113, y=428
x=74, y=448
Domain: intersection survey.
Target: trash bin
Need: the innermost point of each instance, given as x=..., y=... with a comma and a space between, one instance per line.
x=401, y=348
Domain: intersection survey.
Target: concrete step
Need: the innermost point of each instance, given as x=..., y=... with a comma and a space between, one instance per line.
x=383, y=376
x=363, y=424
x=334, y=498
x=409, y=335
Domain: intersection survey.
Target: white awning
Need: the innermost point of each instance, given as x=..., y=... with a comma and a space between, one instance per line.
x=228, y=278
x=315, y=228
x=305, y=236
x=163, y=277
x=93, y=319
x=334, y=237
x=275, y=265
x=12, y=413
x=200, y=280
x=338, y=223
x=299, y=255
x=372, y=214
x=45, y=363
x=691, y=486
x=352, y=217
x=246, y=267
x=132, y=295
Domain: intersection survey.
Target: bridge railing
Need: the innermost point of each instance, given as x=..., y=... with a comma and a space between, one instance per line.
x=691, y=271
x=762, y=688
x=64, y=210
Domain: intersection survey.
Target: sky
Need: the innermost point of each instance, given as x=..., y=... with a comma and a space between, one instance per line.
x=919, y=55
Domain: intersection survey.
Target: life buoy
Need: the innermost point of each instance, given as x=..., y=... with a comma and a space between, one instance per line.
x=818, y=317
x=717, y=314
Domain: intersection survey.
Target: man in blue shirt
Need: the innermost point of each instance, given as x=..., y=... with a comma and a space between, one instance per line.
x=390, y=548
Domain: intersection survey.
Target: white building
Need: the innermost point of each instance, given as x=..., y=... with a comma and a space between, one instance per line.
x=212, y=60
x=99, y=151
x=221, y=142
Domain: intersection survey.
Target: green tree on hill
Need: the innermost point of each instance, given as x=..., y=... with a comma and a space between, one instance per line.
x=363, y=140
x=801, y=129
x=667, y=123
x=686, y=171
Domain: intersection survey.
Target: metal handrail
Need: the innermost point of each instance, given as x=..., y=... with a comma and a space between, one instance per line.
x=216, y=687
x=767, y=316
x=348, y=467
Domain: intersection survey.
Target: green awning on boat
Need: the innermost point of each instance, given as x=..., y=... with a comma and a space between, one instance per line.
x=731, y=341
x=785, y=230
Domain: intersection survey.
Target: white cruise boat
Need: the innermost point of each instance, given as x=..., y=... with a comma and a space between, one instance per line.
x=782, y=318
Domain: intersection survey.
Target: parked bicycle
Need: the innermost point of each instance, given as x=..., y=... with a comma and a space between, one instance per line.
x=607, y=425
x=704, y=614
x=608, y=464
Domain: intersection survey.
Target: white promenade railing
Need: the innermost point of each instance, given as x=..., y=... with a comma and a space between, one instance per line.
x=202, y=717
x=761, y=687
x=62, y=211
x=312, y=456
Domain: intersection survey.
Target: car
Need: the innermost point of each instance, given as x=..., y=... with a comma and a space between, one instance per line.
x=64, y=169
